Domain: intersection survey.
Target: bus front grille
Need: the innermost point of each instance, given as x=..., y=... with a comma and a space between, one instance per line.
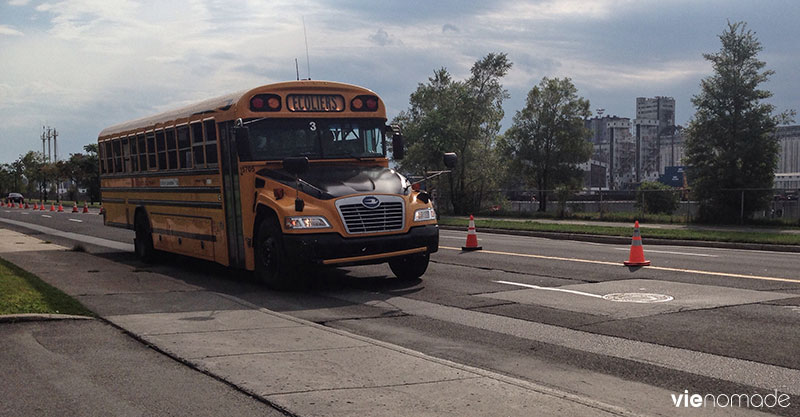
x=357, y=218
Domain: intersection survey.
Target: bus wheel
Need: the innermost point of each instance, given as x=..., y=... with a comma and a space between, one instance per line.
x=410, y=267
x=272, y=266
x=143, y=242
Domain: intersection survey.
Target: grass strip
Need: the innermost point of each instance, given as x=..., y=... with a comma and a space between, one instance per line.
x=676, y=234
x=22, y=292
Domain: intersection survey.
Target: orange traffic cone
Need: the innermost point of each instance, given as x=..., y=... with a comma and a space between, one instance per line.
x=27, y=206
x=52, y=207
x=75, y=207
x=85, y=207
x=636, y=258
x=60, y=208
x=102, y=210
x=472, y=238
x=41, y=206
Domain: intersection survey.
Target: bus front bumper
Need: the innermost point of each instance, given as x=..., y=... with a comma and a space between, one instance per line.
x=333, y=249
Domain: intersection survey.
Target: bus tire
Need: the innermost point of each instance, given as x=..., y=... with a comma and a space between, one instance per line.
x=143, y=242
x=410, y=267
x=272, y=266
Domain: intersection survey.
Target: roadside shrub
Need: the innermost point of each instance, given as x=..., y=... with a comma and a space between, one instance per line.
x=655, y=197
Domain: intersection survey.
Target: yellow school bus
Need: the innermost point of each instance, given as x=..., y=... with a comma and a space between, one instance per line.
x=269, y=180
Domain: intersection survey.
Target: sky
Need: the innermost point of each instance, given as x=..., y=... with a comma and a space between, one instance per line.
x=82, y=65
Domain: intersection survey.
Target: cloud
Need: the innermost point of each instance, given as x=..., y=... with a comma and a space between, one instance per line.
x=18, y=2
x=450, y=28
x=382, y=38
x=9, y=31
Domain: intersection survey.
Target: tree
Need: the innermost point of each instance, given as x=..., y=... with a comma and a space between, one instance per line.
x=30, y=165
x=461, y=116
x=84, y=169
x=730, y=146
x=548, y=138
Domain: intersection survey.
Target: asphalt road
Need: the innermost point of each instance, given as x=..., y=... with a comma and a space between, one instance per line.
x=555, y=312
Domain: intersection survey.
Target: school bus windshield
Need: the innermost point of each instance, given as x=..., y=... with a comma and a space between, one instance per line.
x=272, y=139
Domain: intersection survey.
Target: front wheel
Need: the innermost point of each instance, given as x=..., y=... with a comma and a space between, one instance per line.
x=272, y=266
x=410, y=267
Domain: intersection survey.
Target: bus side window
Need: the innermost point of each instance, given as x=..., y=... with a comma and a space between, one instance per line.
x=109, y=158
x=172, y=149
x=197, y=144
x=161, y=147
x=115, y=144
x=211, y=142
x=134, y=153
x=184, y=147
x=142, y=148
x=151, y=151
x=101, y=157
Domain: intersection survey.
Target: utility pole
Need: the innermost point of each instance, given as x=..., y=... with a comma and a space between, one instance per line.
x=49, y=153
x=44, y=139
x=55, y=145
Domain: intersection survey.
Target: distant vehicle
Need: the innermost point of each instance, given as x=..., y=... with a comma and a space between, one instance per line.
x=15, y=198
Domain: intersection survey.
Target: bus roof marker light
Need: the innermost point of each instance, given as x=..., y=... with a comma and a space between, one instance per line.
x=364, y=103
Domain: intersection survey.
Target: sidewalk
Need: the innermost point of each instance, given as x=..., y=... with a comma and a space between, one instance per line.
x=295, y=365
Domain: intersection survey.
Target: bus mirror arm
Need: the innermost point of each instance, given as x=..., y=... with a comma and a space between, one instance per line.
x=450, y=161
x=296, y=166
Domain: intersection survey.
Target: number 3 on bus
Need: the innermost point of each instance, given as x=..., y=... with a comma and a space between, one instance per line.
x=270, y=180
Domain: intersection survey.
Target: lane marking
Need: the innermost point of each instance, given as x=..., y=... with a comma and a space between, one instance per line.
x=536, y=287
x=618, y=264
x=47, y=215
x=75, y=220
x=674, y=253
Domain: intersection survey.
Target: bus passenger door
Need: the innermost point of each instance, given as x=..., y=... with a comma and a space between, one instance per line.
x=232, y=200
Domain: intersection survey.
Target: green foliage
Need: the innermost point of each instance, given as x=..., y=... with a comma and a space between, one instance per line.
x=657, y=198
x=731, y=143
x=548, y=137
x=463, y=117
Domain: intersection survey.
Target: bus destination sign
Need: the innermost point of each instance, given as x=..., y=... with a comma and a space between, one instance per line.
x=315, y=103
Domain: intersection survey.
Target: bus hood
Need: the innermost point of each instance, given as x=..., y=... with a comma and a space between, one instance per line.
x=332, y=181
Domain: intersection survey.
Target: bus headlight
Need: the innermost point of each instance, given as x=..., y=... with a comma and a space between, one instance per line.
x=426, y=214
x=307, y=222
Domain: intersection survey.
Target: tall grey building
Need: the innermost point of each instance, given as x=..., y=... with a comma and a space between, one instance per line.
x=789, y=157
x=661, y=109
x=657, y=108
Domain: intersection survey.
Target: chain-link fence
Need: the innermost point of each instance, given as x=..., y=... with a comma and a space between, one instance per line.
x=783, y=204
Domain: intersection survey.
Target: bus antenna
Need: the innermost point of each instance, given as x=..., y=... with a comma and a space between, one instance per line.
x=297, y=69
x=308, y=60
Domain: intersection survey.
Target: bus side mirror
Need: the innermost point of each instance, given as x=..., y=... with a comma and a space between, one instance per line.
x=296, y=165
x=398, y=147
x=450, y=160
x=242, y=136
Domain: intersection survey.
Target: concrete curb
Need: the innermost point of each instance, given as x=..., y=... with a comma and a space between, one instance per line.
x=617, y=240
x=28, y=317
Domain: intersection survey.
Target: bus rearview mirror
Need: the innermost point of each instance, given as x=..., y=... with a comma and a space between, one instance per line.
x=398, y=147
x=450, y=160
x=242, y=136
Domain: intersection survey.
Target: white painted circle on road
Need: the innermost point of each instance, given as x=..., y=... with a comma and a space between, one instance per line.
x=637, y=297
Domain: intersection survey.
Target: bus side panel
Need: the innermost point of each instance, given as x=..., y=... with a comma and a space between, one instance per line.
x=189, y=235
